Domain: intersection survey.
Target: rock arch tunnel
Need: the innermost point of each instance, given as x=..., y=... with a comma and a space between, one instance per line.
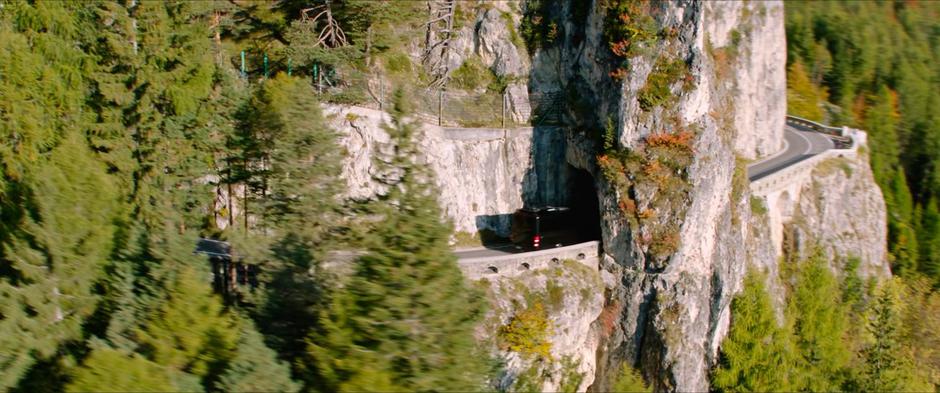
x=584, y=204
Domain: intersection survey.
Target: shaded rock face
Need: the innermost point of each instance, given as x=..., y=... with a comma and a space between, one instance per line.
x=484, y=175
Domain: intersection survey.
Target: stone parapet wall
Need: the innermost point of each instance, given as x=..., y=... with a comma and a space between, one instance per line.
x=511, y=265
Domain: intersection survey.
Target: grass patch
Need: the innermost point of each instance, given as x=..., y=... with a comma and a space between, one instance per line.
x=472, y=74
x=831, y=166
x=530, y=380
x=556, y=294
x=570, y=377
x=658, y=88
x=513, y=32
x=758, y=208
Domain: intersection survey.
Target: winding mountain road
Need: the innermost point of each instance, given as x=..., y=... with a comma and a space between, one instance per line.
x=801, y=143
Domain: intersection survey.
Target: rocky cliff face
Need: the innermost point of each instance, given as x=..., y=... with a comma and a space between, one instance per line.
x=665, y=312
x=675, y=309
x=572, y=297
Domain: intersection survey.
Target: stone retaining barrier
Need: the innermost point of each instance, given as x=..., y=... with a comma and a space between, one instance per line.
x=510, y=265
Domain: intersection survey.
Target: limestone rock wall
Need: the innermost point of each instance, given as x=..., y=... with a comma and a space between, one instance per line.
x=484, y=175
x=842, y=211
x=754, y=29
x=671, y=320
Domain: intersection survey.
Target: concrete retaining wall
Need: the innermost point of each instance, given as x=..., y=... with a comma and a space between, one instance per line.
x=514, y=264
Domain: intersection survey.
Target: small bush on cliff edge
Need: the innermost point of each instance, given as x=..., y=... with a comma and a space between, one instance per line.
x=628, y=28
x=527, y=332
x=629, y=380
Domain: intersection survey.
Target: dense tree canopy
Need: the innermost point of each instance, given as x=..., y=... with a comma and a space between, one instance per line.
x=128, y=133
x=879, y=63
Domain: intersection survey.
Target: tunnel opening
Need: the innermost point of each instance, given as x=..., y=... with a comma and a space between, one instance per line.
x=574, y=217
x=582, y=192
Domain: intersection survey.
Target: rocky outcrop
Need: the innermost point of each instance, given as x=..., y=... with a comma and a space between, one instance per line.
x=572, y=297
x=483, y=175
x=842, y=211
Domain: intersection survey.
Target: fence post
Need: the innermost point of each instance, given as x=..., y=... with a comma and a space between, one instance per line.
x=265, y=66
x=440, y=108
x=503, y=119
x=244, y=74
x=319, y=76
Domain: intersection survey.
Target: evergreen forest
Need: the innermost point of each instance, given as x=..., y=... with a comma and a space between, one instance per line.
x=121, y=123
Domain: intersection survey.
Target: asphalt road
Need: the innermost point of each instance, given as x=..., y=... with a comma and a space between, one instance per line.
x=557, y=239
x=801, y=143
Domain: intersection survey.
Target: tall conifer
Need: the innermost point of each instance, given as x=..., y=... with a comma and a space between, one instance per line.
x=56, y=201
x=404, y=320
x=757, y=355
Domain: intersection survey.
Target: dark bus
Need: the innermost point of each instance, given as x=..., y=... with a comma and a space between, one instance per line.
x=535, y=228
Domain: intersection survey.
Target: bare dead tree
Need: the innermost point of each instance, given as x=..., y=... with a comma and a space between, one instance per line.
x=440, y=29
x=331, y=35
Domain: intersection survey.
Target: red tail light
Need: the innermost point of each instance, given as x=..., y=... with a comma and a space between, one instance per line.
x=536, y=241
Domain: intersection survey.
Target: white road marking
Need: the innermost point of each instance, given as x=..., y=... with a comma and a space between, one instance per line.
x=809, y=144
x=786, y=146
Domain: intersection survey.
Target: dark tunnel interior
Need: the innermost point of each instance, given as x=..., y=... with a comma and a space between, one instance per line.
x=584, y=205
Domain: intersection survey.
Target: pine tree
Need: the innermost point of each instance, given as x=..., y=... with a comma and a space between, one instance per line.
x=189, y=331
x=255, y=367
x=289, y=157
x=109, y=370
x=921, y=327
x=756, y=355
x=819, y=326
x=928, y=236
x=902, y=238
x=803, y=98
x=57, y=202
x=887, y=366
x=404, y=319
x=881, y=122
